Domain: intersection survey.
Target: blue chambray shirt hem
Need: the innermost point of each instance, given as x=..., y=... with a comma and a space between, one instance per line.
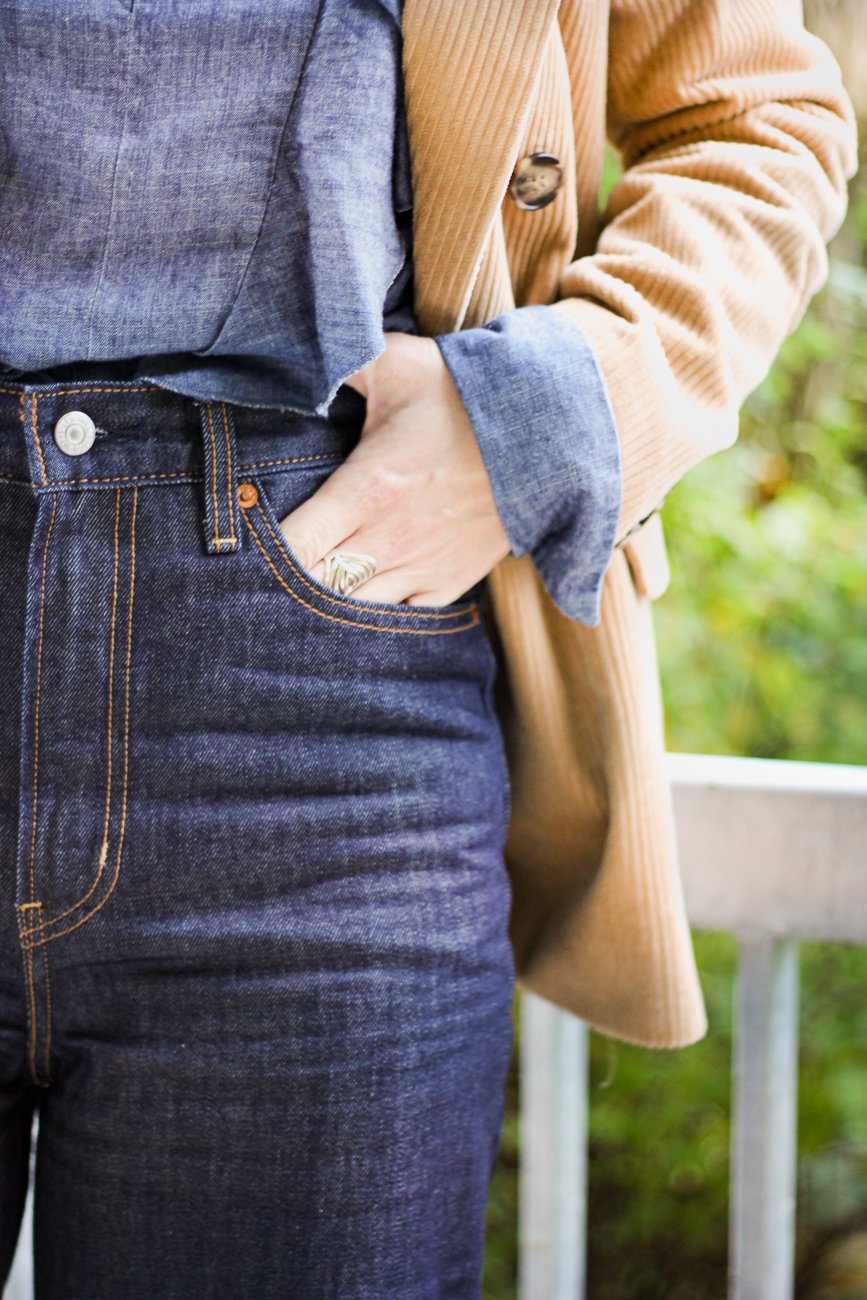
x=237, y=245
x=538, y=402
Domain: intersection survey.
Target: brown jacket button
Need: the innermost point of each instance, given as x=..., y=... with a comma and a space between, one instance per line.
x=535, y=180
x=247, y=494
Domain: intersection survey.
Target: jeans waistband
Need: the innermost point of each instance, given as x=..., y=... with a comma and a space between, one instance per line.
x=147, y=434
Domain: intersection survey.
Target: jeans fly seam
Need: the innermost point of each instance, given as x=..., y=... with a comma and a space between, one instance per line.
x=34, y=424
x=39, y=646
x=46, y=1055
x=31, y=1047
x=33, y=1035
x=409, y=612
x=48, y=938
x=109, y=713
x=334, y=618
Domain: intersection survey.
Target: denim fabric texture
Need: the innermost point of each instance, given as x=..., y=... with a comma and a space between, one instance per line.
x=254, y=964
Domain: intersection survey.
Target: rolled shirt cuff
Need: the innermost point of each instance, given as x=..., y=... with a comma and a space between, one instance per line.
x=538, y=403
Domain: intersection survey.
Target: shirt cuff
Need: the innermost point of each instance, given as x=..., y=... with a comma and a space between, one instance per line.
x=538, y=402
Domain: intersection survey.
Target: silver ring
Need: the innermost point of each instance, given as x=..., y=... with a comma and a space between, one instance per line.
x=346, y=570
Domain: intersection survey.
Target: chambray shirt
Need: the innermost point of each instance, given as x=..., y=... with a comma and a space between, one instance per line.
x=216, y=197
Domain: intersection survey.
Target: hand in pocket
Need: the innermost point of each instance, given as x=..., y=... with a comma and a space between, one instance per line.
x=414, y=493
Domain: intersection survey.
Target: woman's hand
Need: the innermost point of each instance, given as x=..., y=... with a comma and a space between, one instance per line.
x=414, y=492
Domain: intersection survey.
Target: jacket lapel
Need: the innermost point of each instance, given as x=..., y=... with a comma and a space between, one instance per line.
x=463, y=150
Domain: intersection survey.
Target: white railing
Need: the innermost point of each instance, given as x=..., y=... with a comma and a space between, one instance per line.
x=772, y=852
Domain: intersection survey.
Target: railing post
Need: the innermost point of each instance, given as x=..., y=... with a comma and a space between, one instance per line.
x=553, y=1175
x=764, y=1119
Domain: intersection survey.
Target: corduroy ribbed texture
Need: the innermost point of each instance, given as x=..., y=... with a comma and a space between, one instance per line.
x=737, y=139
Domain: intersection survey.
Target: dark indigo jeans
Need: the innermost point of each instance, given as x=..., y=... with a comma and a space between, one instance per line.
x=255, y=973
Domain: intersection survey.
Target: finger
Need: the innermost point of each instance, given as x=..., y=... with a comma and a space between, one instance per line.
x=321, y=524
x=398, y=588
x=391, y=588
x=437, y=598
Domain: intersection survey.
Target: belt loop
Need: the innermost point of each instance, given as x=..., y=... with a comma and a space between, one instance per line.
x=221, y=478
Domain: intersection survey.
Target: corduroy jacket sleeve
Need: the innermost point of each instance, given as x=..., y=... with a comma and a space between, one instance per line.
x=737, y=139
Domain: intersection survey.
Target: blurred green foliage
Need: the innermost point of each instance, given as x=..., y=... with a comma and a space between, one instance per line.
x=763, y=651
x=763, y=633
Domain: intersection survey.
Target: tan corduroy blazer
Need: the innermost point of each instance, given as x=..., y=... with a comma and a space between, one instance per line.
x=737, y=140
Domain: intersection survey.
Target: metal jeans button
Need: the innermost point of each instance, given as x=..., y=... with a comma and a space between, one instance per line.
x=74, y=433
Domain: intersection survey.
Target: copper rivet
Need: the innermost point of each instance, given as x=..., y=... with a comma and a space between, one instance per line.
x=247, y=494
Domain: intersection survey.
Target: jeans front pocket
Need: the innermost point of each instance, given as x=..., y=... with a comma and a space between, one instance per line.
x=265, y=499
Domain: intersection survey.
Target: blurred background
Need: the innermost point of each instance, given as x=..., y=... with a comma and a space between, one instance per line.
x=763, y=652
